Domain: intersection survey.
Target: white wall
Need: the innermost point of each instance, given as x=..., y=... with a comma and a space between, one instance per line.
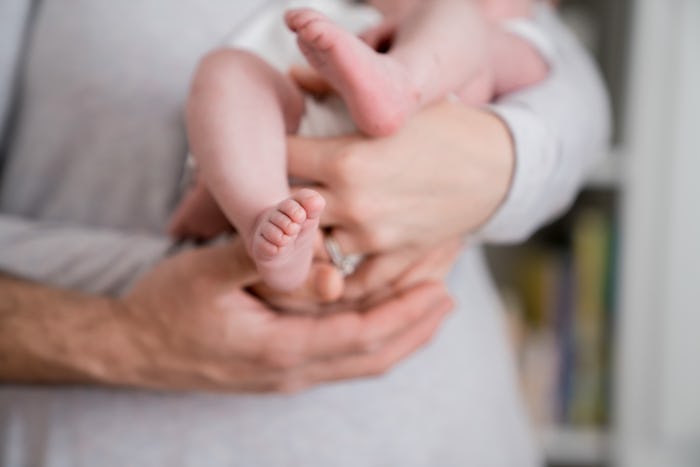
x=658, y=369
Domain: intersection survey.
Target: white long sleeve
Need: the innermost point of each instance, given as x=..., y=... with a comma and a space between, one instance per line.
x=560, y=129
x=92, y=260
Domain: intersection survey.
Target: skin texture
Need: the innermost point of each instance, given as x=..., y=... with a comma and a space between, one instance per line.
x=189, y=326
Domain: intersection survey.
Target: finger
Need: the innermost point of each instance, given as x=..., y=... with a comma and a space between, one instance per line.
x=178, y=224
x=311, y=158
x=198, y=215
x=375, y=363
x=335, y=218
x=328, y=283
x=291, y=342
x=324, y=285
x=401, y=270
x=307, y=158
x=352, y=333
x=379, y=273
x=433, y=264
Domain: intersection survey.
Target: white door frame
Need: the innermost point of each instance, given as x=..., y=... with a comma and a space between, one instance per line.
x=657, y=374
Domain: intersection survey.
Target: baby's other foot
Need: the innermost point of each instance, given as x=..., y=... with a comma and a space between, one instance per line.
x=282, y=246
x=376, y=88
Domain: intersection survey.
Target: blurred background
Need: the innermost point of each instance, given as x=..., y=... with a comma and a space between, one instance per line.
x=604, y=304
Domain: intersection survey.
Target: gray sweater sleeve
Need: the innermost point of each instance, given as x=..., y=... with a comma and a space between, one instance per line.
x=560, y=130
x=91, y=260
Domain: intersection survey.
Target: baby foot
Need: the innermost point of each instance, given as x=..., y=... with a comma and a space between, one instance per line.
x=376, y=88
x=282, y=246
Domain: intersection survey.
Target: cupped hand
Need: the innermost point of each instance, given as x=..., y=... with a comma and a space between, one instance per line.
x=193, y=327
x=376, y=279
x=440, y=177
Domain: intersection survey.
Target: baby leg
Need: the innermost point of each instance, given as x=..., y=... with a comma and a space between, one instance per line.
x=514, y=63
x=238, y=114
x=437, y=47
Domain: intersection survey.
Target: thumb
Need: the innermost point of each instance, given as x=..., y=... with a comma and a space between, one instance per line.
x=310, y=159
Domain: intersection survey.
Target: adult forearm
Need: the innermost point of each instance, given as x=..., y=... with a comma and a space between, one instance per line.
x=189, y=325
x=54, y=336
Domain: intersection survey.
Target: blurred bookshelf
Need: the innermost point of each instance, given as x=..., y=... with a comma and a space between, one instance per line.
x=559, y=288
x=602, y=303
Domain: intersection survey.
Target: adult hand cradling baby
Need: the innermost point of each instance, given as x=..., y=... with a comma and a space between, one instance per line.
x=244, y=346
x=438, y=179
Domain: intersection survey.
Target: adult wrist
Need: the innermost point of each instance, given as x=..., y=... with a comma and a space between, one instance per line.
x=534, y=156
x=52, y=336
x=489, y=167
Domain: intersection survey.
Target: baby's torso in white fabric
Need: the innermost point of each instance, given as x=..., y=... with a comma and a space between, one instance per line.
x=269, y=37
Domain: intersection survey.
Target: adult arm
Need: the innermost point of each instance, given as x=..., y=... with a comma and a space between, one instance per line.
x=453, y=170
x=188, y=325
x=559, y=128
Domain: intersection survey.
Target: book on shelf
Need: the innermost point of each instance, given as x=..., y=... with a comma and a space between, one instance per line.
x=564, y=293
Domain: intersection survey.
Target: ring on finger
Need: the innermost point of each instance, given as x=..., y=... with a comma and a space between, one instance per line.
x=346, y=264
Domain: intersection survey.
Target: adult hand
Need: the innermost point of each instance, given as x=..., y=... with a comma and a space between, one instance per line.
x=376, y=279
x=193, y=327
x=198, y=216
x=440, y=177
